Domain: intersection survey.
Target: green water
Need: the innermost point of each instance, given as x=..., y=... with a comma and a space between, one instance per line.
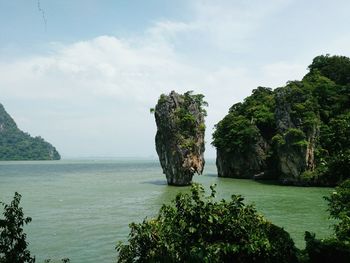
x=80, y=209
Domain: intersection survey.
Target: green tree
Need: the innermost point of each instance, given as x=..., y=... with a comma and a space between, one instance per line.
x=339, y=208
x=13, y=244
x=333, y=249
x=235, y=133
x=336, y=68
x=196, y=228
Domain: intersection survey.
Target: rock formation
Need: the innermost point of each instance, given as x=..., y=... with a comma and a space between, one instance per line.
x=180, y=136
x=18, y=145
x=247, y=164
x=296, y=154
x=272, y=142
x=242, y=142
x=297, y=134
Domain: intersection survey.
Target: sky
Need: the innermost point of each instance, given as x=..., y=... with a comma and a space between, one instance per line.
x=83, y=74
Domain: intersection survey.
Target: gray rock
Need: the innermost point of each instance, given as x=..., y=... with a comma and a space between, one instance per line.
x=243, y=165
x=180, y=137
x=293, y=158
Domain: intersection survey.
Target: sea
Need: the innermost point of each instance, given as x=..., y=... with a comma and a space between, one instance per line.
x=81, y=209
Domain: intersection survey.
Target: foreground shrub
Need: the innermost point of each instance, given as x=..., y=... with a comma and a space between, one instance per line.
x=339, y=208
x=326, y=250
x=335, y=249
x=196, y=228
x=13, y=245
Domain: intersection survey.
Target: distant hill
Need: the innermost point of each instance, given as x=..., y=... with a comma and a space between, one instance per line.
x=18, y=145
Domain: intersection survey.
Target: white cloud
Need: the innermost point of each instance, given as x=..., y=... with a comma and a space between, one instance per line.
x=111, y=84
x=278, y=73
x=232, y=25
x=93, y=97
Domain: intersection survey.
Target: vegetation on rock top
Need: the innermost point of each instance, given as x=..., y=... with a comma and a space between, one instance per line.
x=180, y=135
x=299, y=132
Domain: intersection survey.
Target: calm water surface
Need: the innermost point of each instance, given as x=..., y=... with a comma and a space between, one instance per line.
x=80, y=209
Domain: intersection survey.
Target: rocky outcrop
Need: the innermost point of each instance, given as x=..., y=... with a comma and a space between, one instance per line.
x=295, y=152
x=18, y=145
x=297, y=134
x=272, y=135
x=249, y=164
x=242, y=137
x=180, y=136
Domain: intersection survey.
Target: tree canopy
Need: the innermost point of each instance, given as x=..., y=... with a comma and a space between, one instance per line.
x=197, y=228
x=13, y=244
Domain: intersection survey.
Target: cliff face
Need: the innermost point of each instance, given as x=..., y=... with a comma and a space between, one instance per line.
x=18, y=145
x=296, y=153
x=297, y=134
x=180, y=136
x=248, y=164
x=242, y=137
x=283, y=143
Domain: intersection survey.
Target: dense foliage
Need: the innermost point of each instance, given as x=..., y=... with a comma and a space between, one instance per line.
x=196, y=228
x=339, y=208
x=18, y=145
x=13, y=244
x=185, y=120
x=316, y=110
x=337, y=248
x=245, y=121
x=336, y=68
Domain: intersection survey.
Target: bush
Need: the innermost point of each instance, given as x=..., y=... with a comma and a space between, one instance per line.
x=326, y=250
x=335, y=249
x=338, y=168
x=13, y=244
x=196, y=228
x=339, y=208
